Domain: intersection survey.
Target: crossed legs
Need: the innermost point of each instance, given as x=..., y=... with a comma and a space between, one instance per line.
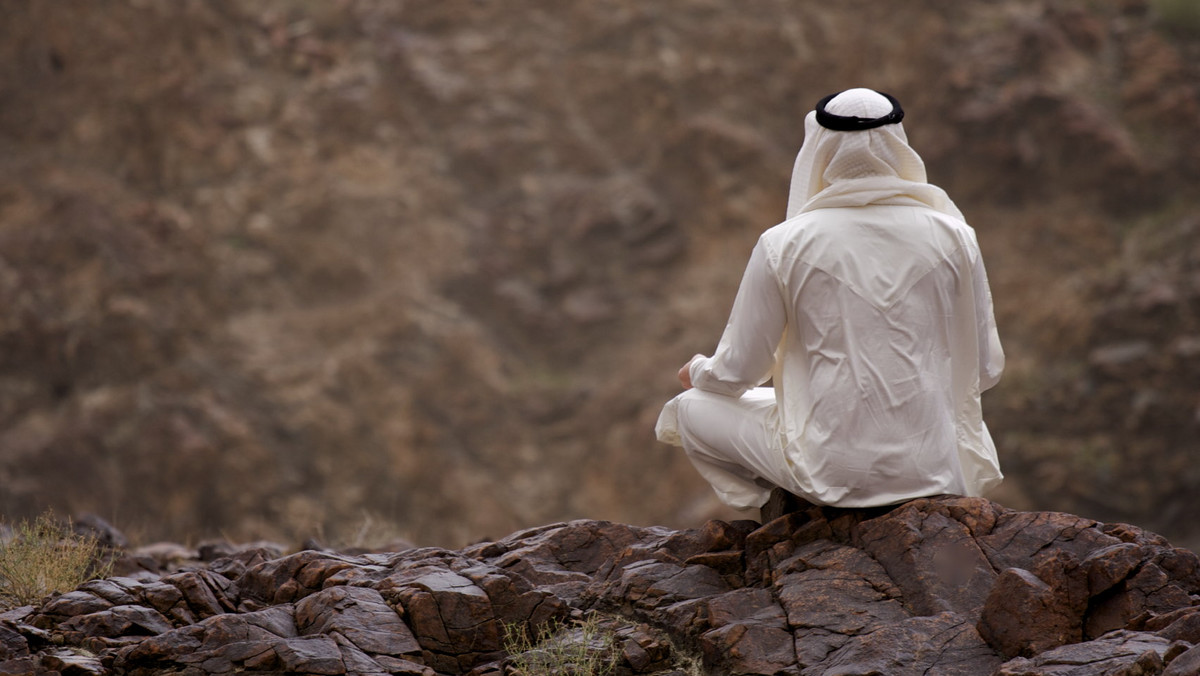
x=734, y=443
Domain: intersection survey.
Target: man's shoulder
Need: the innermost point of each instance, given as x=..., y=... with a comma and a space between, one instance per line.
x=815, y=222
x=835, y=218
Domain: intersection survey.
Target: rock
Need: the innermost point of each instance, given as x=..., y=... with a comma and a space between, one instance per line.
x=205, y=592
x=360, y=615
x=451, y=616
x=944, y=585
x=118, y=591
x=310, y=655
x=1120, y=653
x=21, y=666
x=934, y=552
x=118, y=621
x=72, y=663
x=289, y=578
x=1180, y=625
x=749, y=634
x=166, y=556
x=1025, y=616
x=780, y=503
x=561, y=557
x=103, y=532
x=221, y=643
x=946, y=643
x=76, y=602
x=843, y=599
x=1186, y=664
x=12, y=644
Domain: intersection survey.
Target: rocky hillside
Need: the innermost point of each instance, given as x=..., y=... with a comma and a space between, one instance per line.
x=949, y=586
x=275, y=268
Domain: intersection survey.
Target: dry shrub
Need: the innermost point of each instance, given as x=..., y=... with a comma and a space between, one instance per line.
x=45, y=556
x=573, y=649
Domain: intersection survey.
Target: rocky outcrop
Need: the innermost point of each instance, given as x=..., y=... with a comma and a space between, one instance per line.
x=948, y=585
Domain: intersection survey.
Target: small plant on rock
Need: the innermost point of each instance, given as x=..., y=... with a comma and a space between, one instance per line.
x=578, y=648
x=43, y=557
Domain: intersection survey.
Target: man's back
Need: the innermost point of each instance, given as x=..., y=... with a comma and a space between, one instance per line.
x=881, y=313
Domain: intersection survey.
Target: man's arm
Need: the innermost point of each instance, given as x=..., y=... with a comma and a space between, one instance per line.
x=746, y=353
x=991, y=354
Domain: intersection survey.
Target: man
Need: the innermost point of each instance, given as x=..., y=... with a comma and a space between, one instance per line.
x=870, y=309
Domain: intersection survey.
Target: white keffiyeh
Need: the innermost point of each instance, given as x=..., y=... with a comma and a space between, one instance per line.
x=857, y=168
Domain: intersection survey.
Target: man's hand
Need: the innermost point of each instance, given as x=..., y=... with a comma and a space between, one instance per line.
x=685, y=373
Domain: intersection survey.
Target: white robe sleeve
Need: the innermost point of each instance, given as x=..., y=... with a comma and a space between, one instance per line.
x=991, y=355
x=746, y=353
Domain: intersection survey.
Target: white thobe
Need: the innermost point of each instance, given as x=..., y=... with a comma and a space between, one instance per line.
x=876, y=324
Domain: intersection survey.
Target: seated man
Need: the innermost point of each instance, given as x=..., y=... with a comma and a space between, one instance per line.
x=870, y=309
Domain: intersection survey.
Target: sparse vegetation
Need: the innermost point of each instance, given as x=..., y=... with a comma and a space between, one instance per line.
x=45, y=556
x=583, y=648
x=1179, y=15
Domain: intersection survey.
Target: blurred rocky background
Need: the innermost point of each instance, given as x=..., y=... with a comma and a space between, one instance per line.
x=288, y=269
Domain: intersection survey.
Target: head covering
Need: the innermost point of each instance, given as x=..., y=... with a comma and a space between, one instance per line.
x=856, y=153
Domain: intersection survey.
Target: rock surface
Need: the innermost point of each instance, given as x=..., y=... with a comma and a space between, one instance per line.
x=948, y=585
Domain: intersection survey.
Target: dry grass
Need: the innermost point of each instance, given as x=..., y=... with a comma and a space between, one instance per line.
x=45, y=556
x=571, y=649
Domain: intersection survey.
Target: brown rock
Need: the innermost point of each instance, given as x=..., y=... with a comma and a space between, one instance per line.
x=205, y=592
x=1150, y=589
x=1108, y=566
x=781, y=502
x=1017, y=538
x=648, y=584
x=219, y=643
x=12, y=643
x=770, y=544
x=354, y=659
x=77, y=602
x=814, y=646
x=1181, y=625
x=834, y=591
x=449, y=614
x=70, y=663
x=291, y=577
x=118, y=592
x=1185, y=664
x=21, y=666
x=360, y=615
x=725, y=563
x=1120, y=653
x=562, y=557
x=836, y=602
x=929, y=550
x=165, y=598
x=1024, y=616
x=103, y=532
x=119, y=621
x=945, y=644
x=310, y=655
x=749, y=634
